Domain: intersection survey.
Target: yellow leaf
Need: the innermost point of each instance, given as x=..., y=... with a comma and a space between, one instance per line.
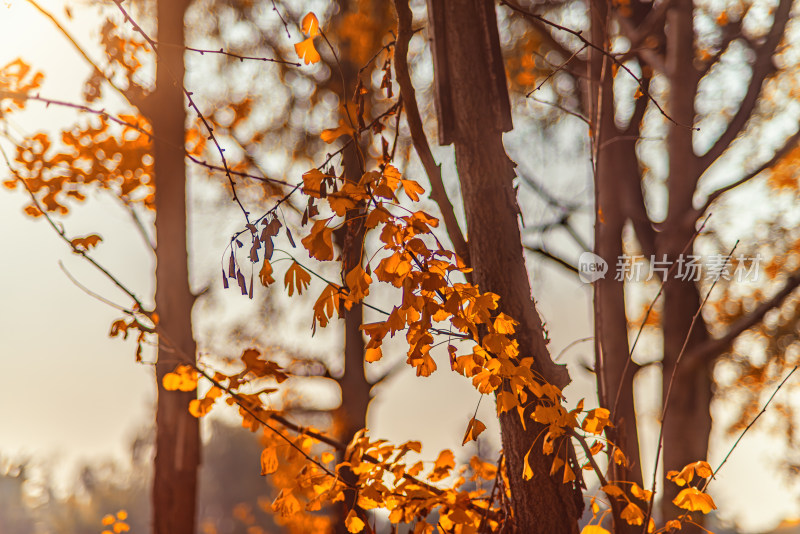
x=441, y=468
x=694, y=500
x=108, y=519
x=682, y=478
x=613, y=491
x=527, y=472
x=310, y=24
x=474, y=429
x=269, y=461
x=412, y=189
x=306, y=51
x=331, y=135
x=296, y=277
x=200, y=407
x=633, y=514
x=358, y=282
x=353, y=523
x=596, y=420
x=319, y=242
x=373, y=354
x=86, y=243
x=312, y=183
x=265, y=274
x=594, y=529
x=122, y=515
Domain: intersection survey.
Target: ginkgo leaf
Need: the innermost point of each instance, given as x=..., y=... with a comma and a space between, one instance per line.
x=632, y=514
x=527, y=471
x=310, y=24
x=686, y=475
x=312, y=183
x=319, y=242
x=269, y=461
x=373, y=354
x=265, y=274
x=596, y=420
x=331, y=135
x=441, y=468
x=594, y=529
x=694, y=500
x=412, y=189
x=296, y=278
x=474, y=429
x=306, y=51
x=353, y=523
x=86, y=243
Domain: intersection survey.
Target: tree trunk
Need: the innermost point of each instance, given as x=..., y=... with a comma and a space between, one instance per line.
x=687, y=422
x=615, y=184
x=177, y=434
x=352, y=413
x=467, y=30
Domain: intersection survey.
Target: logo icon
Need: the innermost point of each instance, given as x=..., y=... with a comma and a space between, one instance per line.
x=591, y=267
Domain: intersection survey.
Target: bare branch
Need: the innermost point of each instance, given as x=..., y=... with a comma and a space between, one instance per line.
x=787, y=147
x=642, y=85
x=714, y=347
x=434, y=171
x=762, y=69
x=562, y=262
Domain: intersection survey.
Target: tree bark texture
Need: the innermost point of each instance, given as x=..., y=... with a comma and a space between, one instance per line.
x=466, y=30
x=177, y=433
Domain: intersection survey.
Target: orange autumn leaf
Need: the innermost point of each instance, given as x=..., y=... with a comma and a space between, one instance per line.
x=527, y=471
x=86, y=243
x=443, y=465
x=682, y=478
x=312, y=183
x=633, y=514
x=594, y=529
x=318, y=242
x=183, y=378
x=310, y=24
x=306, y=51
x=296, y=278
x=474, y=429
x=373, y=354
x=358, y=282
x=269, y=461
x=596, y=420
x=331, y=135
x=412, y=189
x=694, y=500
x=265, y=274
x=327, y=304
x=353, y=523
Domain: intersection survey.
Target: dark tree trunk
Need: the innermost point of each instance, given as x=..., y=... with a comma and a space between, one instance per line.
x=177, y=436
x=616, y=182
x=687, y=422
x=467, y=31
x=352, y=413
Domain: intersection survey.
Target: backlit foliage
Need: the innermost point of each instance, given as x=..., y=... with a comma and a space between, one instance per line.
x=436, y=304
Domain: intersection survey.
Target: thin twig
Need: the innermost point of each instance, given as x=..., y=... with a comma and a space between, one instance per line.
x=672, y=380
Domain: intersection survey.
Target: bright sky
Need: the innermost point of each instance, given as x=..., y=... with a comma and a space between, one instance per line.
x=68, y=390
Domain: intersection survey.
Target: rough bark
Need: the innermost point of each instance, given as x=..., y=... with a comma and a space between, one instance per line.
x=544, y=504
x=177, y=434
